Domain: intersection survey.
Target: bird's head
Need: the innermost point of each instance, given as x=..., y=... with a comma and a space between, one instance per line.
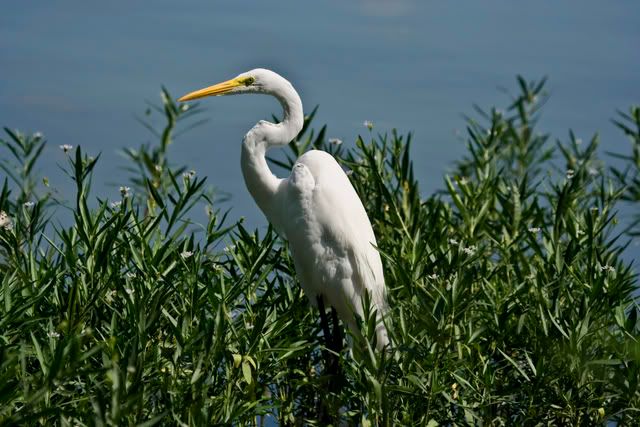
x=258, y=80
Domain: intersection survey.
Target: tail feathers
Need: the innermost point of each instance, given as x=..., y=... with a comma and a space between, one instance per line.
x=382, y=337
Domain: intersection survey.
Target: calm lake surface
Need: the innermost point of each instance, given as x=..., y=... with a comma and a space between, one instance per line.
x=80, y=72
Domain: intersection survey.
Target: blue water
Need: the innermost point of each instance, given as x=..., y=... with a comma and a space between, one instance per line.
x=81, y=71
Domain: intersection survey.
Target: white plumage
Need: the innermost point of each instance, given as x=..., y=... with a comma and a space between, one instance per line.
x=316, y=209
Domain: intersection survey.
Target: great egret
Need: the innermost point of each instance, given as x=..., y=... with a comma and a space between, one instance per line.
x=316, y=209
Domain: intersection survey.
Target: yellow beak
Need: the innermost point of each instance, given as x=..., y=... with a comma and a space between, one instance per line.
x=217, y=89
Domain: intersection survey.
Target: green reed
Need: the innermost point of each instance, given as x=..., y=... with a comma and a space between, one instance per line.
x=511, y=302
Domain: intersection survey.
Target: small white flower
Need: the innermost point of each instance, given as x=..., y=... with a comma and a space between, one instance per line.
x=5, y=221
x=66, y=147
x=129, y=291
x=124, y=191
x=110, y=295
x=130, y=275
x=158, y=168
x=116, y=204
x=463, y=180
x=28, y=204
x=184, y=107
x=368, y=124
x=470, y=250
x=38, y=135
x=578, y=141
x=335, y=141
x=433, y=276
x=534, y=229
x=453, y=241
x=53, y=334
x=570, y=173
x=186, y=254
x=608, y=268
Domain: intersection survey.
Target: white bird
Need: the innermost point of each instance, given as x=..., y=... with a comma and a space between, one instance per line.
x=316, y=208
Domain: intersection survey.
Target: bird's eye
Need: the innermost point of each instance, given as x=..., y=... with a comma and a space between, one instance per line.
x=248, y=81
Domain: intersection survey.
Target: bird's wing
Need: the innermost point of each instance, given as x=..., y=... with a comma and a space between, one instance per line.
x=345, y=223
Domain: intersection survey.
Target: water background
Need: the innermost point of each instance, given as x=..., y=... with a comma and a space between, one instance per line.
x=81, y=71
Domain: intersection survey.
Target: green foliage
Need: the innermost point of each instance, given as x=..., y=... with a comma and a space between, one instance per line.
x=510, y=301
x=629, y=177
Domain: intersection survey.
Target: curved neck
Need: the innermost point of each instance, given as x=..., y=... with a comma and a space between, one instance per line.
x=293, y=119
x=260, y=181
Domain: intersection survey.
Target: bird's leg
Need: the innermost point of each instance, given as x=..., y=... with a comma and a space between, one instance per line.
x=324, y=322
x=337, y=332
x=333, y=341
x=331, y=359
x=331, y=363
